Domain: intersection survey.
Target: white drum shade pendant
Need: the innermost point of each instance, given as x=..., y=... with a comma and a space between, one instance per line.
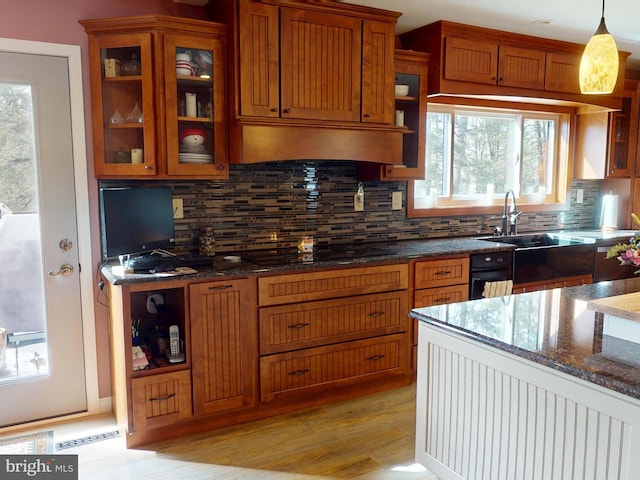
x=599, y=64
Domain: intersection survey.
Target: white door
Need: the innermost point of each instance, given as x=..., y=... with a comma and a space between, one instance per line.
x=42, y=371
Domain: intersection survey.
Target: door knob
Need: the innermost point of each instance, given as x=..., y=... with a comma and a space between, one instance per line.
x=65, y=270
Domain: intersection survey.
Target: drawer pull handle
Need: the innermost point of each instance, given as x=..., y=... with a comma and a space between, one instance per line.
x=441, y=300
x=444, y=272
x=377, y=314
x=299, y=325
x=376, y=357
x=162, y=399
x=297, y=373
x=223, y=287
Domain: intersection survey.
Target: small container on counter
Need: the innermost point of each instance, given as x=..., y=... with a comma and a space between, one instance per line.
x=207, y=241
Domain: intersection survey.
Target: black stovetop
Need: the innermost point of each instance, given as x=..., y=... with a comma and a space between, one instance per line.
x=289, y=256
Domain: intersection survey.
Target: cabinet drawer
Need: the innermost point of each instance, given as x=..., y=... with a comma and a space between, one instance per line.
x=440, y=273
x=440, y=296
x=301, y=287
x=161, y=399
x=310, y=324
x=319, y=368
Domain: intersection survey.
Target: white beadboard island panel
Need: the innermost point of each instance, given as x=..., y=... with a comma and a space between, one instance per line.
x=483, y=413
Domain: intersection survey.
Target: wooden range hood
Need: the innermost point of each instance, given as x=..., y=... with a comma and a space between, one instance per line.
x=263, y=142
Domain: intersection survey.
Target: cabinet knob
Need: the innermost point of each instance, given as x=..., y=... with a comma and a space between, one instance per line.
x=148, y=167
x=275, y=109
x=367, y=115
x=287, y=110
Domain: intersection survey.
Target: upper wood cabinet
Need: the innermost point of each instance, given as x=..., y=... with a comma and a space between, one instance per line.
x=606, y=142
x=311, y=79
x=493, y=64
x=312, y=61
x=312, y=64
x=412, y=69
x=158, y=88
x=468, y=60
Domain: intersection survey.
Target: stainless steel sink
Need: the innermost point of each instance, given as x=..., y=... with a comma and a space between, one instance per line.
x=549, y=256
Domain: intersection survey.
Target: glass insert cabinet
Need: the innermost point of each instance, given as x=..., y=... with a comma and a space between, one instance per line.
x=158, y=97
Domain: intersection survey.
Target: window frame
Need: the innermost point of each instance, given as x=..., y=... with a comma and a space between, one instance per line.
x=556, y=200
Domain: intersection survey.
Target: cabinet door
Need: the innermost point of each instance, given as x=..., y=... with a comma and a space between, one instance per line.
x=622, y=138
x=521, y=67
x=223, y=345
x=259, y=69
x=471, y=61
x=562, y=72
x=311, y=324
x=320, y=60
x=195, y=106
x=122, y=105
x=316, y=370
x=161, y=399
x=378, y=39
x=440, y=273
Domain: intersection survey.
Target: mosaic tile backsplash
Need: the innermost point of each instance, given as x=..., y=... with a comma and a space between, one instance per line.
x=274, y=205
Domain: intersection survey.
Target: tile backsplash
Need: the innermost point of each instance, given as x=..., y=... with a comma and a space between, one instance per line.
x=274, y=205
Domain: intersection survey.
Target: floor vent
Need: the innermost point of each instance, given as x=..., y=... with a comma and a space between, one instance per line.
x=78, y=442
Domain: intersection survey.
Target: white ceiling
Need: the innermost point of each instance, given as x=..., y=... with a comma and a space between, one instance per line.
x=570, y=20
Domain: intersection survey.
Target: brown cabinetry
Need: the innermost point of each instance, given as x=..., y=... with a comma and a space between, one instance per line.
x=311, y=80
x=223, y=345
x=494, y=64
x=331, y=329
x=606, y=141
x=161, y=400
x=469, y=60
x=148, y=390
x=313, y=64
x=158, y=97
x=437, y=282
x=412, y=69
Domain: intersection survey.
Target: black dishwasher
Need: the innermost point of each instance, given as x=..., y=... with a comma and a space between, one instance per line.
x=489, y=267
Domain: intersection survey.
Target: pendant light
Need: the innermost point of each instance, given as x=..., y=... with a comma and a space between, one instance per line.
x=599, y=64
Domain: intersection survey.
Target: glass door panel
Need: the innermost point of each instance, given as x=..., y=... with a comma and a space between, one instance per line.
x=194, y=97
x=127, y=145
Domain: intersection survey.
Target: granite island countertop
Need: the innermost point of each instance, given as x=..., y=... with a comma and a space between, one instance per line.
x=553, y=328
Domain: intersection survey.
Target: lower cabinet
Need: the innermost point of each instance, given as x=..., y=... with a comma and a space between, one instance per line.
x=437, y=282
x=318, y=368
x=316, y=332
x=222, y=345
x=329, y=331
x=161, y=400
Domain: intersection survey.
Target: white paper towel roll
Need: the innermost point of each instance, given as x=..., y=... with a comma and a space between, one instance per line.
x=609, y=211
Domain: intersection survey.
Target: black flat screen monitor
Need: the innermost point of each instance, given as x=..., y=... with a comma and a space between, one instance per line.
x=135, y=220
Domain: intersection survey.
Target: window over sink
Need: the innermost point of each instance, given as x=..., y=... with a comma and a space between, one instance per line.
x=475, y=154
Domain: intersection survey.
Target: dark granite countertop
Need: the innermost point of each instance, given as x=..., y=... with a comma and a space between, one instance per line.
x=288, y=260
x=553, y=328
x=327, y=256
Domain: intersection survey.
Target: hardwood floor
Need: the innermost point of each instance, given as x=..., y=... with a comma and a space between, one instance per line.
x=369, y=438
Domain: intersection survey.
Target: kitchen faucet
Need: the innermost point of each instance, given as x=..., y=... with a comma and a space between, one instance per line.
x=510, y=227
